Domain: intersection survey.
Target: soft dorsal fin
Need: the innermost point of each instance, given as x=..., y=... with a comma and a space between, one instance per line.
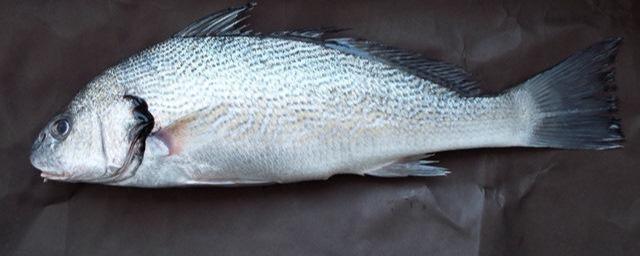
x=225, y=22
x=442, y=73
x=307, y=34
x=439, y=72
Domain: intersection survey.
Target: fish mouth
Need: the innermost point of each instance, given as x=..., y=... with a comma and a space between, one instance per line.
x=55, y=176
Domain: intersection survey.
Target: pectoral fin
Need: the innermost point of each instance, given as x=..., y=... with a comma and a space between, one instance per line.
x=173, y=137
x=415, y=166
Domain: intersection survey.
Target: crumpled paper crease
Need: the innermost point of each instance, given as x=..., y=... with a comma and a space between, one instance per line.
x=495, y=202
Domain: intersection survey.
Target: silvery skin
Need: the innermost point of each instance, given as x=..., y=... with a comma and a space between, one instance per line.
x=220, y=105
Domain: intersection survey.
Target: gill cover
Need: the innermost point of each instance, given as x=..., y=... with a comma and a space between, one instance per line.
x=138, y=134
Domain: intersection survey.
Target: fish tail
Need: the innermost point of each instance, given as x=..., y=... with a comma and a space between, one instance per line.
x=570, y=105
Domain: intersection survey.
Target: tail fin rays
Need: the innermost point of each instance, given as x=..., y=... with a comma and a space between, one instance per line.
x=573, y=108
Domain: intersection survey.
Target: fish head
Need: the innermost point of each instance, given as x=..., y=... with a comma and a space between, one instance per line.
x=99, y=138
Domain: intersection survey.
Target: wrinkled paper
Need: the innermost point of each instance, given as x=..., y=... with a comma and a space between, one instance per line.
x=495, y=202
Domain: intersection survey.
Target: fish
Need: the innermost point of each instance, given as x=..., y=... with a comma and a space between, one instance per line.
x=218, y=104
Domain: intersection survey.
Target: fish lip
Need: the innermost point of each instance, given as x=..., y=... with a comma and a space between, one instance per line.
x=54, y=176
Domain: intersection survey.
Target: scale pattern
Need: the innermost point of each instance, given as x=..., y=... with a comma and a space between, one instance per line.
x=296, y=109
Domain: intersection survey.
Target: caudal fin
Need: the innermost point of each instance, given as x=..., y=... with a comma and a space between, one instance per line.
x=572, y=107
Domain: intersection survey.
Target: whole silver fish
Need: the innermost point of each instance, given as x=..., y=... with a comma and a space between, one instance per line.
x=220, y=105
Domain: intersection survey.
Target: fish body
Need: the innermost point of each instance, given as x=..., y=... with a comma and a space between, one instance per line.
x=280, y=110
x=216, y=105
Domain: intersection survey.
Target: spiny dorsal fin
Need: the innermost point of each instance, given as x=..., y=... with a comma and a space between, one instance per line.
x=225, y=22
x=439, y=72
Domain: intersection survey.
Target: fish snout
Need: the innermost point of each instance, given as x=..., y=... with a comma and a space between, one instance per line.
x=45, y=170
x=38, y=142
x=34, y=158
x=39, y=160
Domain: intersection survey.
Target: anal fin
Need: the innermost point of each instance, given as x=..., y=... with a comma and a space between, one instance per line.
x=411, y=167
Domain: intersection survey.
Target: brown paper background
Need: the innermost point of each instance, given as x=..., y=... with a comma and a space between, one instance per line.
x=496, y=201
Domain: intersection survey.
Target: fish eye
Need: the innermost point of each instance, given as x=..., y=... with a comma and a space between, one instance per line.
x=60, y=128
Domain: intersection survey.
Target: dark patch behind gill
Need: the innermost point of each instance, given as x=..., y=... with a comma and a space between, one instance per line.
x=144, y=124
x=138, y=135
